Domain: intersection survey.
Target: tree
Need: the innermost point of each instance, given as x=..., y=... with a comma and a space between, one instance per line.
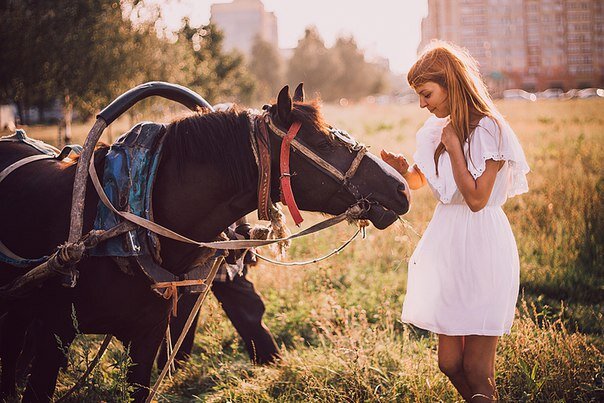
x=83, y=51
x=267, y=67
x=215, y=74
x=314, y=65
x=358, y=78
x=337, y=72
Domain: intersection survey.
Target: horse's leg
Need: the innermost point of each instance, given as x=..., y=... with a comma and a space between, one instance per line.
x=142, y=353
x=13, y=329
x=52, y=345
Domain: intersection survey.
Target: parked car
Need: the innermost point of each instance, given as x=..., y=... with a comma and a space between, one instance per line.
x=551, y=93
x=518, y=93
x=590, y=93
x=584, y=93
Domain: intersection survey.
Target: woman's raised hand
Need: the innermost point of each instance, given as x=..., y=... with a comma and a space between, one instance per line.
x=396, y=161
x=449, y=138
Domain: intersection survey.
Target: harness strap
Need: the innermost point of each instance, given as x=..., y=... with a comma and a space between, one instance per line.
x=18, y=260
x=286, y=186
x=185, y=329
x=6, y=171
x=7, y=252
x=307, y=152
x=353, y=212
x=264, y=174
x=355, y=164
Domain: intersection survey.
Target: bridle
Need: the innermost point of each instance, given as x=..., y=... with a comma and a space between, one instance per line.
x=260, y=126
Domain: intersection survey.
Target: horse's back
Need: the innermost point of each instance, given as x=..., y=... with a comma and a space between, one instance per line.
x=34, y=201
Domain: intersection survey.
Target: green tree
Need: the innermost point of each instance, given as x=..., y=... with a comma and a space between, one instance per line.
x=313, y=64
x=337, y=72
x=266, y=65
x=358, y=78
x=84, y=52
x=217, y=75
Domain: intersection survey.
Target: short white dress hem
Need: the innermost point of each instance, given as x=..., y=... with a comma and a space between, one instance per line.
x=457, y=332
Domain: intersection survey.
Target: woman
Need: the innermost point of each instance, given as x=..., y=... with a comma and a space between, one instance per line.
x=464, y=274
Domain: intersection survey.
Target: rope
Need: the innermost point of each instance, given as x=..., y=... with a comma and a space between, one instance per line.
x=185, y=329
x=316, y=260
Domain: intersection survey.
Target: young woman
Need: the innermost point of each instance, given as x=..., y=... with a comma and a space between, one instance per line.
x=464, y=274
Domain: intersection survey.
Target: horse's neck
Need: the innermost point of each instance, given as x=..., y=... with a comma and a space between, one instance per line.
x=199, y=206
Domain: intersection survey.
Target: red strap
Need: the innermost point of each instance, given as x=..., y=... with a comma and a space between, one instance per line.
x=286, y=187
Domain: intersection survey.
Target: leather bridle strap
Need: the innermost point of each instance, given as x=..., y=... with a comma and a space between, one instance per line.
x=312, y=156
x=330, y=169
x=264, y=173
x=286, y=186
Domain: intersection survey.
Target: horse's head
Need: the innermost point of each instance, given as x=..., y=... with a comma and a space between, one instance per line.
x=328, y=169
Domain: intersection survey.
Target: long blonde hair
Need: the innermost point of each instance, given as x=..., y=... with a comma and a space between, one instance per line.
x=456, y=71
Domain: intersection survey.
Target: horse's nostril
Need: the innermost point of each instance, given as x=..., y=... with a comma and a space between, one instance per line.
x=404, y=190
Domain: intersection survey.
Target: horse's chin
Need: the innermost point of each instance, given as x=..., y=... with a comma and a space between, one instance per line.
x=381, y=217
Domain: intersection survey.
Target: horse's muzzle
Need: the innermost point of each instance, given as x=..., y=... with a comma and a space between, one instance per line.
x=404, y=190
x=380, y=216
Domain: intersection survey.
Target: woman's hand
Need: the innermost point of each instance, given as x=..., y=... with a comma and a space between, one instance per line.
x=449, y=138
x=396, y=161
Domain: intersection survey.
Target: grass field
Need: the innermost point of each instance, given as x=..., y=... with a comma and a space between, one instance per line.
x=337, y=321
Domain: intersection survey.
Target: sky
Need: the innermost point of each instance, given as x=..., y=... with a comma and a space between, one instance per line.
x=387, y=28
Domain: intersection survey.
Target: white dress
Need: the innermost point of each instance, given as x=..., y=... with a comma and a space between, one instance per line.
x=464, y=274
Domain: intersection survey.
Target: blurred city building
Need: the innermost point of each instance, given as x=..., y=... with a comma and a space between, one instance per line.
x=528, y=44
x=242, y=21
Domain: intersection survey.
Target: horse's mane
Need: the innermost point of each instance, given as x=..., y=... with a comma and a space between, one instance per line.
x=222, y=139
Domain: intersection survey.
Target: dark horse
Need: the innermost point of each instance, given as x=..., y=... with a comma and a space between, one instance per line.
x=207, y=179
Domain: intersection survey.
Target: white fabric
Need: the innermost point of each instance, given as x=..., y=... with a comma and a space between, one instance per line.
x=464, y=274
x=487, y=141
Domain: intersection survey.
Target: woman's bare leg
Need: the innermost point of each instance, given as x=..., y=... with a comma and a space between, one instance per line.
x=450, y=362
x=479, y=367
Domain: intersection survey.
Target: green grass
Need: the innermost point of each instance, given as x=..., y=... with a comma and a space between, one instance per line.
x=337, y=321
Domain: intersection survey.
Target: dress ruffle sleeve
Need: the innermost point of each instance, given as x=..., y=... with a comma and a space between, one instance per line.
x=427, y=139
x=497, y=141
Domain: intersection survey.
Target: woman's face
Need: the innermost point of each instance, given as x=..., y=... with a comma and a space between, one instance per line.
x=435, y=98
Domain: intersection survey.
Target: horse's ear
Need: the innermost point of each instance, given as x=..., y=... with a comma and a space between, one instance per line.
x=284, y=104
x=299, y=93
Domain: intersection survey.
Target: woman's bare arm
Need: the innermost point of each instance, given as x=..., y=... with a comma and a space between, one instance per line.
x=476, y=192
x=414, y=177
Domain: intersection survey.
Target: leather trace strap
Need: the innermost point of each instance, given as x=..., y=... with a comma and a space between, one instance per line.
x=264, y=172
x=286, y=186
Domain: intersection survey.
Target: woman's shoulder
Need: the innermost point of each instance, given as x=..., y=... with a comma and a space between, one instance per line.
x=490, y=125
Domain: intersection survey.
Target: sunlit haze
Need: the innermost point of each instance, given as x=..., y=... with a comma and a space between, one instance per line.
x=382, y=28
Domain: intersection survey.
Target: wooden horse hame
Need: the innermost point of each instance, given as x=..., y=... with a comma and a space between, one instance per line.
x=207, y=178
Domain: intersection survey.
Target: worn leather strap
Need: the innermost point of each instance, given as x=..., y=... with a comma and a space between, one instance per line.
x=264, y=173
x=355, y=164
x=286, y=186
x=7, y=171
